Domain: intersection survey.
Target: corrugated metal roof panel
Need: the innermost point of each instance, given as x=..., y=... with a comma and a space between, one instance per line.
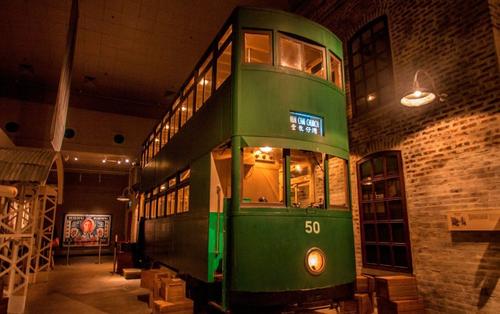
x=25, y=164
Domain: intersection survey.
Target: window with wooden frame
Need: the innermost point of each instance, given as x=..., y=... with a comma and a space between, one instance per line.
x=302, y=56
x=383, y=217
x=370, y=66
x=224, y=58
x=258, y=47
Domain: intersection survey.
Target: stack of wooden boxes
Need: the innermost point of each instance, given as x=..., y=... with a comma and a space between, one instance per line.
x=4, y=302
x=398, y=294
x=363, y=297
x=167, y=293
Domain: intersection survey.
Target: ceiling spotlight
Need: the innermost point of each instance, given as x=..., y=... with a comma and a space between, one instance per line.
x=420, y=96
x=119, y=162
x=104, y=161
x=127, y=161
x=75, y=158
x=266, y=149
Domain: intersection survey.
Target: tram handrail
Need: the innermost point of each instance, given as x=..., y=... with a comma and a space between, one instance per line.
x=217, y=240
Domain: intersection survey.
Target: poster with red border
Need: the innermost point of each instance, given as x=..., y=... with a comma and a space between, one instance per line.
x=86, y=230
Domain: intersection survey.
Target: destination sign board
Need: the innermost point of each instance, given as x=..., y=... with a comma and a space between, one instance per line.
x=306, y=123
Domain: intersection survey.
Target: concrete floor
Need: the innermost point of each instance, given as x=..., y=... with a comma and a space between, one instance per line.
x=89, y=288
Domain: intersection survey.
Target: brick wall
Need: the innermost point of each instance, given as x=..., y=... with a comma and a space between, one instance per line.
x=450, y=150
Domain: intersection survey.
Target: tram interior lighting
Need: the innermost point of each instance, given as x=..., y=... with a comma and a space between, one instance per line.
x=104, y=161
x=420, y=96
x=266, y=149
x=371, y=97
x=183, y=108
x=127, y=161
x=75, y=158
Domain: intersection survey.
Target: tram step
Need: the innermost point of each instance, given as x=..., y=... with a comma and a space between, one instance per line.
x=179, y=307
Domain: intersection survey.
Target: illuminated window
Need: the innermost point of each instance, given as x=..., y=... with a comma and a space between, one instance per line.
x=223, y=66
x=147, y=207
x=164, y=130
x=183, y=199
x=262, y=172
x=337, y=179
x=225, y=37
x=174, y=123
x=161, y=205
x=199, y=94
x=307, y=179
x=383, y=217
x=185, y=175
x=302, y=56
x=258, y=48
x=370, y=66
x=314, y=60
x=184, y=111
x=290, y=53
x=190, y=105
x=207, y=85
x=141, y=205
x=335, y=70
x=171, y=203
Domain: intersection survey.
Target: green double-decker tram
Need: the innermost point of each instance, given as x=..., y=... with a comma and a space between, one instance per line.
x=245, y=181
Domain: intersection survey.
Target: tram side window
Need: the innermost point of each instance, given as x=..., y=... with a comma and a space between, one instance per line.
x=307, y=179
x=223, y=66
x=161, y=202
x=337, y=179
x=258, y=48
x=148, y=208
x=164, y=131
x=301, y=56
x=141, y=206
x=262, y=172
x=171, y=203
x=335, y=70
x=183, y=192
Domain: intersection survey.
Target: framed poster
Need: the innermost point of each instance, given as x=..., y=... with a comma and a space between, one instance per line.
x=86, y=230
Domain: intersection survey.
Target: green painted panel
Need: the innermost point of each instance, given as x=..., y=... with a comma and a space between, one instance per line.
x=268, y=251
x=215, y=246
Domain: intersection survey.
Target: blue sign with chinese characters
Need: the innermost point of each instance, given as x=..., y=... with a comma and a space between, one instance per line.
x=306, y=123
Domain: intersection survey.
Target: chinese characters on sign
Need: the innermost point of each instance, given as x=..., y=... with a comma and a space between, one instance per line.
x=306, y=123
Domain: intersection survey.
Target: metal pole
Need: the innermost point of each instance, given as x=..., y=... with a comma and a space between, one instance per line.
x=67, y=253
x=114, y=254
x=99, y=239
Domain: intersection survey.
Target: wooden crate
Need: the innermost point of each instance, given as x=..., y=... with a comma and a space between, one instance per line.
x=131, y=273
x=397, y=288
x=148, y=277
x=179, y=307
x=349, y=307
x=365, y=305
x=173, y=289
x=361, y=284
x=415, y=306
x=371, y=283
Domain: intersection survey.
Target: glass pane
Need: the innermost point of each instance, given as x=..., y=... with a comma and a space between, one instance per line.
x=371, y=254
x=368, y=212
x=366, y=170
x=148, y=208
x=355, y=45
x=222, y=160
x=161, y=206
x=391, y=164
x=337, y=172
x=290, y=55
x=385, y=255
x=164, y=133
x=398, y=234
x=199, y=94
x=183, y=112
x=223, y=66
x=153, y=208
x=225, y=36
x=157, y=144
x=180, y=200
x=306, y=179
x=379, y=190
x=383, y=233
x=396, y=209
x=172, y=182
x=185, y=202
x=258, y=48
x=185, y=175
x=366, y=191
x=207, y=85
x=190, y=105
x=370, y=233
x=393, y=188
x=356, y=60
x=171, y=203
x=314, y=61
x=262, y=172
x=366, y=36
x=378, y=166
x=400, y=257
x=380, y=210
x=358, y=74
x=336, y=70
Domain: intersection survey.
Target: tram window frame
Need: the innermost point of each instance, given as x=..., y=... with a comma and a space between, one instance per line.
x=183, y=183
x=258, y=203
x=228, y=46
x=314, y=187
x=269, y=33
x=164, y=129
x=331, y=205
x=302, y=43
x=340, y=83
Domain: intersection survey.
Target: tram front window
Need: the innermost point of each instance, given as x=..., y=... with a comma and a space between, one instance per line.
x=262, y=172
x=306, y=179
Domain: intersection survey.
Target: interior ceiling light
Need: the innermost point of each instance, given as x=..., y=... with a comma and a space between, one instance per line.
x=127, y=160
x=420, y=96
x=75, y=158
x=266, y=149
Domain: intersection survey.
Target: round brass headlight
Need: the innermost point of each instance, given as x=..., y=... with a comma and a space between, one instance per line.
x=315, y=261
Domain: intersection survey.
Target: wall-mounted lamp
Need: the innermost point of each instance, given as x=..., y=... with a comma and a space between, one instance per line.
x=420, y=96
x=125, y=196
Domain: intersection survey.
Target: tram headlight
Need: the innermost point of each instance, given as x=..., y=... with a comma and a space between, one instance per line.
x=315, y=261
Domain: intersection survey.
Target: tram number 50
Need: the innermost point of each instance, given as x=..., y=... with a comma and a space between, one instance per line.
x=312, y=226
